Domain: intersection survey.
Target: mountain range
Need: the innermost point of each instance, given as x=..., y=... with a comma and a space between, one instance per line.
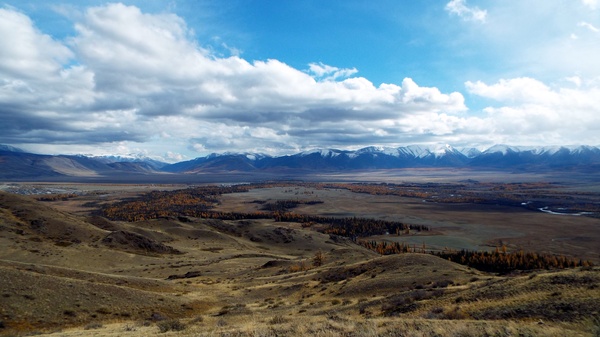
x=18, y=164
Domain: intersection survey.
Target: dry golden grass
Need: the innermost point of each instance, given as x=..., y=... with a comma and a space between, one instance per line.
x=241, y=278
x=328, y=326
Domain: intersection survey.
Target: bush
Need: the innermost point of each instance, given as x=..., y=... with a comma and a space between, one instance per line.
x=93, y=325
x=70, y=313
x=129, y=328
x=456, y=313
x=298, y=267
x=442, y=284
x=318, y=259
x=170, y=325
x=278, y=319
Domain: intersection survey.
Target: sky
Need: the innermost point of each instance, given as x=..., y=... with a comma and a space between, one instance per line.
x=174, y=80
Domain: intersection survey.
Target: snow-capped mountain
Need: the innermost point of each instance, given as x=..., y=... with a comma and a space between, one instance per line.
x=545, y=156
x=15, y=164
x=373, y=157
x=227, y=161
x=470, y=152
x=18, y=164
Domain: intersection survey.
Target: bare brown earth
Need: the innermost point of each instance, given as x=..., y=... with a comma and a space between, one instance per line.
x=61, y=276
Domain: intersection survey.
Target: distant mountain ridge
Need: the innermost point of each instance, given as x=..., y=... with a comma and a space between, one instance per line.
x=497, y=156
x=17, y=164
x=9, y=148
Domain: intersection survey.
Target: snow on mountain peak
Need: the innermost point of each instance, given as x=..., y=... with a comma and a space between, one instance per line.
x=469, y=152
x=539, y=150
x=501, y=148
x=426, y=152
x=422, y=151
x=390, y=151
x=248, y=155
x=441, y=149
x=325, y=153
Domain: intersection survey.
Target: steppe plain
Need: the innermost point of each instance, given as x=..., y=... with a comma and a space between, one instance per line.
x=66, y=270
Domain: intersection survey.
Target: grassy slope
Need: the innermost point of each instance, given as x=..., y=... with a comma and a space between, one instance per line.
x=234, y=278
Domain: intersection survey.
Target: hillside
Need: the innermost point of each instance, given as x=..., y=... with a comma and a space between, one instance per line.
x=75, y=273
x=18, y=165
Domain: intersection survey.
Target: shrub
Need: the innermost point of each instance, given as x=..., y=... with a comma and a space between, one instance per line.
x=129, y=328
x=69, y=313
x=157, y=317
x=170, y=325
x=93, y=325
x=442, y=283
x=278, y=319
x=103, y=311
x=298, y=267
x=455, y=313
x=318, y=259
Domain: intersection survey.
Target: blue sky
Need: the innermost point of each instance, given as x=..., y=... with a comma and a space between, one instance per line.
x=179, y=79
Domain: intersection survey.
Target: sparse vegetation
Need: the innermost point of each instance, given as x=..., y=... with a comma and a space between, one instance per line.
x=170, y=325
x=240, y=270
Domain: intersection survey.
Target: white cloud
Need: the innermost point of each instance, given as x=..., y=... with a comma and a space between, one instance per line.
x=575, y=80
x=518, y=90
x=329, y=73
x=592, y=4
x=142, y=75
x=530, y=112
x=28, y=52
x=548, y=40
x=39, y=91
x=589, y=26
x=173, y=157
x=143, y=81
x=460, y=8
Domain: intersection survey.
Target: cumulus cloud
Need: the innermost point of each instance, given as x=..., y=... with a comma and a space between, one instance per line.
x=30, y=52
x=520, y=90
x=38, y=93
x=460, y=8
x=131, y=80
x=141, y=75
x=531, y=111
